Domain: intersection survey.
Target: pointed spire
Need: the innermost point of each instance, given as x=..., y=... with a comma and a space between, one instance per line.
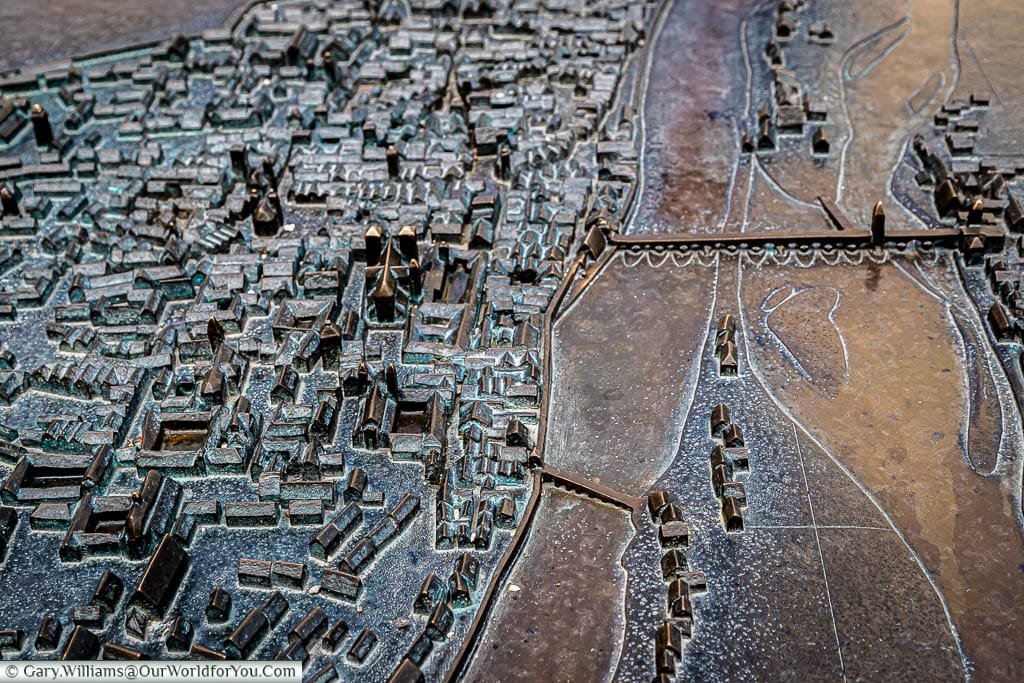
x=878, y=225
x=215, y=333
x=41, y=125
x=373, y=245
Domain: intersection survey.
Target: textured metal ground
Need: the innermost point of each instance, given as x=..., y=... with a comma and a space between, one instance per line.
x=502, y=341
x=35, y=33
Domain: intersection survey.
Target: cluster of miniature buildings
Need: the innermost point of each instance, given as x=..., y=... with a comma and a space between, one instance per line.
x=294, y=257
x=682, y=581
x=792, y=112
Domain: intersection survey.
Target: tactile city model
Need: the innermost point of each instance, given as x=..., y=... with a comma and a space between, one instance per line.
x=521, y=340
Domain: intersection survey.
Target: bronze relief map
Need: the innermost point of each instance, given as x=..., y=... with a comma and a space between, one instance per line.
x=514, y=340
